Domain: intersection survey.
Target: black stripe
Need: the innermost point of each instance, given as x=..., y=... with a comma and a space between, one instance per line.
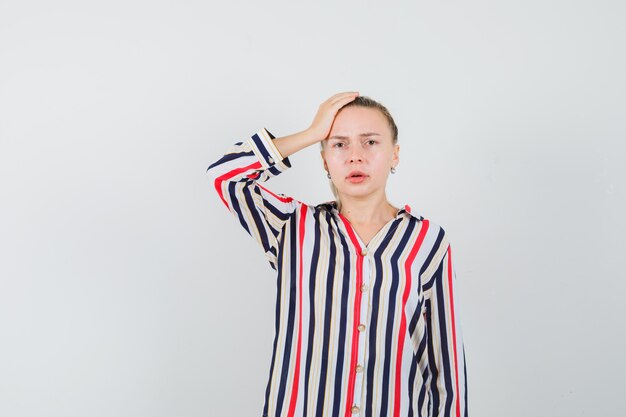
x=374, y=324
x=417, y=358
x=343, y=318
x=312, y=281
x=421, y=348
x=279, y=214
x=392, y=294
x=275, y=212
x=417, y=313
x=232, y=193
x=328, y=314
x=289, y=333
x=279, y=281
x=435, y=248
x=273, y=252
x=229, y=157
x=274, y=168
x=424, y=393
x=434, y=393
x=447, y=372
x=261, y=146
x=411, y=382
x=258, y=220
x=413, y=370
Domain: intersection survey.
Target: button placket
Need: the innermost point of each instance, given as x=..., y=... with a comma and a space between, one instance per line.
x=363, y=329
x=362, y=292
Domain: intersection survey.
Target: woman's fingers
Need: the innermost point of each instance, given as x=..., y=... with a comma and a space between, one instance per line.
x=350, y=95
x=328, y=110
x=339, y=100
x=340, y=96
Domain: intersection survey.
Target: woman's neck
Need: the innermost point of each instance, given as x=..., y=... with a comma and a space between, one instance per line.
x=372, y=210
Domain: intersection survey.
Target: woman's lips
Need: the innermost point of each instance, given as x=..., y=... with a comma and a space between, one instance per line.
x=357, y=177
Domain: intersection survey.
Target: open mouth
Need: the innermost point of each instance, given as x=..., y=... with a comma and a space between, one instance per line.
x=357, y=176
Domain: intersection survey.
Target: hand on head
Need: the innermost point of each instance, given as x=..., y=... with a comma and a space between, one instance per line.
x=327, y=111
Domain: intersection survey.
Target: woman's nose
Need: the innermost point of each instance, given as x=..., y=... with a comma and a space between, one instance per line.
x=355, y=155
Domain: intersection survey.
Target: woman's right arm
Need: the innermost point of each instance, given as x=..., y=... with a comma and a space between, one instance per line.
x=320, y=127
x=236, y=176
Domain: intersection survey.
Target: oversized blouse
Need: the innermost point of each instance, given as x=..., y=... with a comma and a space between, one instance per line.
x=360, y=330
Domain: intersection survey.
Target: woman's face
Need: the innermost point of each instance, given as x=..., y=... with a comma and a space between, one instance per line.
x=359, y=152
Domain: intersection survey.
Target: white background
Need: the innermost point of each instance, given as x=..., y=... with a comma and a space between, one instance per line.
x=127, y=289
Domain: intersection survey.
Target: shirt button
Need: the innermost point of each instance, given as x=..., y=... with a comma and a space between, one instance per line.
x=270, y=160
x=363, y=251
x=359, y=368
x=361, y=327
x=355, y=409
x=363, y=288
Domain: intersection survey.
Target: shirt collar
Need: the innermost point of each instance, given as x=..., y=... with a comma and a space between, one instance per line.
x=404, y=211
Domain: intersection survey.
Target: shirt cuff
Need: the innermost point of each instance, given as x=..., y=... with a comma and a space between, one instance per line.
x=263, y=146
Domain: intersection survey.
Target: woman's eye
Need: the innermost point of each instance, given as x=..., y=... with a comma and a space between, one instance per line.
x=338, y=145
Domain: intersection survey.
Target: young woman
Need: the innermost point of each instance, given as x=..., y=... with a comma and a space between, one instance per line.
x=367, y=322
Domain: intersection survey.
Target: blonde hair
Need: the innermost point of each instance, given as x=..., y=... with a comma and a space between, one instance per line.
x=364, y=101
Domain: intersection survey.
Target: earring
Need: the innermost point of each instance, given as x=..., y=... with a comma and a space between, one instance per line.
x=393, y=170
x=328, y=174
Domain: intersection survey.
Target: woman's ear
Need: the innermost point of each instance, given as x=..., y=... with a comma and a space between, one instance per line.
x=324, y=160
x=396, y=155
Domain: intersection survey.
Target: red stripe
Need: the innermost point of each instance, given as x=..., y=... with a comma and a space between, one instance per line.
x=405, y=297
x=357, y=318
x=279, y=197
x=353, y=237
x=296, y=373
x=452, y=319
x=224, y=177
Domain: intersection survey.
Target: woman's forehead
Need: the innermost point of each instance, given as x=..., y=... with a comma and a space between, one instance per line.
x=358, y=122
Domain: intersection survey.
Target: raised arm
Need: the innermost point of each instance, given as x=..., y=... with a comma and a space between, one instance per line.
x=319, y=128
x=236, y=176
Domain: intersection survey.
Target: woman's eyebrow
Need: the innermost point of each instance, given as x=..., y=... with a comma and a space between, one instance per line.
x=363, y=135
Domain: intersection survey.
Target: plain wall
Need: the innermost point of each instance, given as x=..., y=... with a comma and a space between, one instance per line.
x=127, y=289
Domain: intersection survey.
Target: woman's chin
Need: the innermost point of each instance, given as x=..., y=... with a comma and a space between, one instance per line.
x=356, y=191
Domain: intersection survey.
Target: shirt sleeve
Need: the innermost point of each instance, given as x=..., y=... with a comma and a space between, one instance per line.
x=446, y=353
x=236, y=178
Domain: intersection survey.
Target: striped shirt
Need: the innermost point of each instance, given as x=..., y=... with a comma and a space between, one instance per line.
x=360, y=330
